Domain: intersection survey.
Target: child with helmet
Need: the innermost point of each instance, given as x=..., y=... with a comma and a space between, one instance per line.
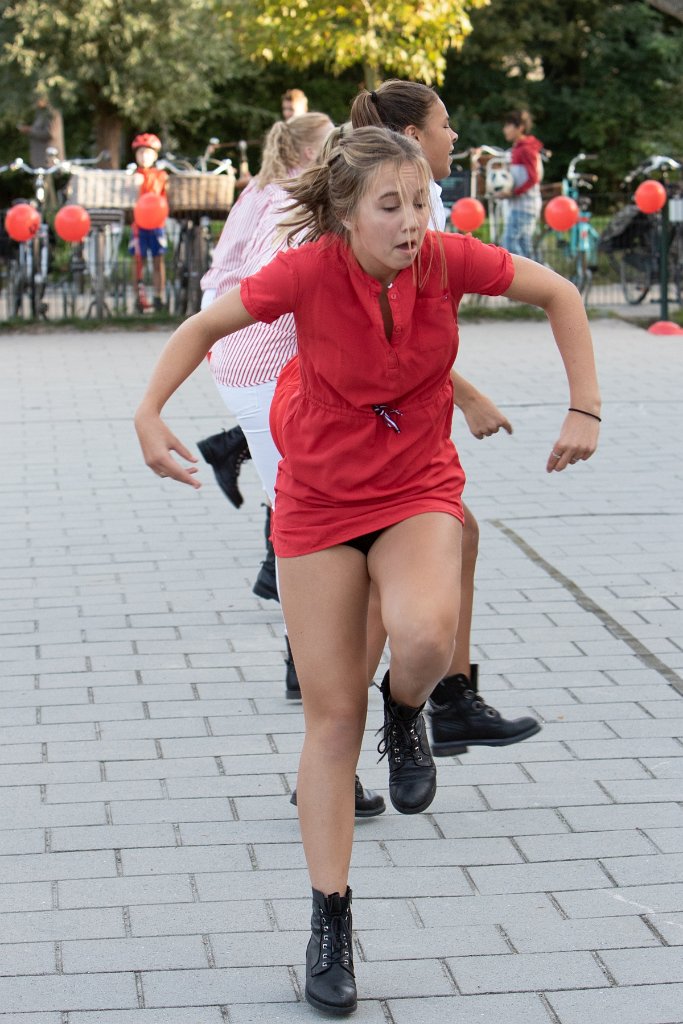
x=149, y=178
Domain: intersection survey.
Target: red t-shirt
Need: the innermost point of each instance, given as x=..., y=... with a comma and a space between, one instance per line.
x=153, y=180
x=345, y=470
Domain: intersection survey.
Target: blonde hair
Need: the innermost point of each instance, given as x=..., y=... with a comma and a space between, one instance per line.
x=326, y=195
x=284, y=145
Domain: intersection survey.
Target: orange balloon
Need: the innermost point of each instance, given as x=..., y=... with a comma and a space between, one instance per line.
x=22, y=222
x=72, y=223
x=150, y=211
x=468, y=214
x=561, y=213
x=650, y=196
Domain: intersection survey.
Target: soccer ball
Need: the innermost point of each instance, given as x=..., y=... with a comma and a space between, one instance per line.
x=498, y=179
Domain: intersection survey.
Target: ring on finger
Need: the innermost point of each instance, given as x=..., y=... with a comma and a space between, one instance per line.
x=556, y=455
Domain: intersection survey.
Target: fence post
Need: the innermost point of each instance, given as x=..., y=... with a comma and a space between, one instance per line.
x=664, y=263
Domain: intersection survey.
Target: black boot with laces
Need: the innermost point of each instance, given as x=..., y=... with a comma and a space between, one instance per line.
x=412, y=775
x=461, y=718
x=225, y=453
x=330, y=981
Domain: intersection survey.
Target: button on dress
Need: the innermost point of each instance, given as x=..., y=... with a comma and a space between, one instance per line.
x=365, y=435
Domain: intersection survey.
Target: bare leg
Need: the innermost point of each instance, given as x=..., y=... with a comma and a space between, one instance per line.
x=460, y=662
x=416, y=566
x=325, y=602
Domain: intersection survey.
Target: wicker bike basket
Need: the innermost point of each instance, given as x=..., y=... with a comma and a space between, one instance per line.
x=102, y=190
x=191, y=194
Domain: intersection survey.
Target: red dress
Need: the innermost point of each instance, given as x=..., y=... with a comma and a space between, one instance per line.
x=366, y=435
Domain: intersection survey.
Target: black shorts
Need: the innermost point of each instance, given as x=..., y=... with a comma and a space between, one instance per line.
x=365, y=541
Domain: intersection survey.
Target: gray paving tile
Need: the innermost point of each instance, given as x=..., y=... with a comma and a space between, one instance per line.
x=642, y=1004
x=527, y=972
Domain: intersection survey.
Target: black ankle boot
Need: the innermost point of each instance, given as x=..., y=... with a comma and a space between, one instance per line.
x=266, y=581
x=461, y=719
x=368, y=803
x=225, y=453
x=292, y=688
x=330, y=981
x=412, y=775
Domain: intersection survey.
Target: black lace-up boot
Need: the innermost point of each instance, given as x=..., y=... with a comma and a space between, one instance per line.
x=412, y=775
x=225, y=453
x=330, y=981
x=368, y=803
x=292, y=688
x=461, y=718
x=266, y=581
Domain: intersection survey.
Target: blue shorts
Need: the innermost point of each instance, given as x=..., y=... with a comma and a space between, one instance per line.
x=146, y=242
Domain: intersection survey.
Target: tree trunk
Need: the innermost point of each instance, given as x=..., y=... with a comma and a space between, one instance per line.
x=371, y=77
x=109, y=134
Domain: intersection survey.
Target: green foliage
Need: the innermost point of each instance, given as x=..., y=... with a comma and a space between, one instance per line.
x=148, y=64
x=407, y=39
x=598, y=77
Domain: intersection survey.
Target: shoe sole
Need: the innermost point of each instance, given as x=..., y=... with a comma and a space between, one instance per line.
x=334, y=1011
x=446, y=749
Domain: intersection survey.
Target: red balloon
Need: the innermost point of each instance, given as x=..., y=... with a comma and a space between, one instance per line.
x=468, y=214
x=150, y=211
x=22, y=222
x=72, y=223
x=561, y=213
x=650, y=196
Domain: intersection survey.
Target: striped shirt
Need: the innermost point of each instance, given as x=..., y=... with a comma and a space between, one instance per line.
x=257, y=353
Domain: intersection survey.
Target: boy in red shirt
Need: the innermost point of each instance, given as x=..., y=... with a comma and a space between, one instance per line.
x=148, y=178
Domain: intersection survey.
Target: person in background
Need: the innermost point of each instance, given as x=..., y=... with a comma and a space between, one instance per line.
x=46, y=132
x=524, y=201
x=294, y=103
x=149, y=179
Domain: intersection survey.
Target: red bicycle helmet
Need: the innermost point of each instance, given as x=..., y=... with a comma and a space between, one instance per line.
x=148, y=140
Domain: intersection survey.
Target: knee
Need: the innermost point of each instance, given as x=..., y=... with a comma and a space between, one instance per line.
x=425, y=647
x=337, y=729
x=470, y=538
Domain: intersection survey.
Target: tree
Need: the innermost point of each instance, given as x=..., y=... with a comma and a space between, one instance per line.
x=146, y=64
x=601, y=76
x=408, y=39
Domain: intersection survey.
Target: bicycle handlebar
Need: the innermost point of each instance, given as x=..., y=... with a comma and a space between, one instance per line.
x=653, y=163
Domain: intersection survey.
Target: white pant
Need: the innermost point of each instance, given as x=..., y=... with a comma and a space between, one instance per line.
x=251, y=408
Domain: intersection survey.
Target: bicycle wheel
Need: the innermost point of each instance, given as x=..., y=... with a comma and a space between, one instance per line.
x=635, y=269
x=552, y=250
x=15, y=289
x=582, y=275
x=198, y=267
x=181, y=273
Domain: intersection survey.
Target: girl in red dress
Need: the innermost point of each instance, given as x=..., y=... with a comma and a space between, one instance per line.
x=369, y=487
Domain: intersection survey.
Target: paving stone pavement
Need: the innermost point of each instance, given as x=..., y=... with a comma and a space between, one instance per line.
x=150, y=866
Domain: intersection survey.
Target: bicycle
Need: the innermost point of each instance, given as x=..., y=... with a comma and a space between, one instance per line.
x=574, y=254
x=633, y=240
x=28, y=271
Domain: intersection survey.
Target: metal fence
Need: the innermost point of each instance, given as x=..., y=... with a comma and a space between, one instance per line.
x=97, y=278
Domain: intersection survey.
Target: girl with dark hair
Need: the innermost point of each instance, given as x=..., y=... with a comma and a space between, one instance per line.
x=369, y=487
x=459, y=716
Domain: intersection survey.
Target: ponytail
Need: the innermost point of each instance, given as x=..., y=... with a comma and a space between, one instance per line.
x=395, y=105
x=284, y=144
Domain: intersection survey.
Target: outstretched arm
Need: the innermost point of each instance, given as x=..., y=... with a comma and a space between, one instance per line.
x=182, y=354
x=483, y=416
x=562, y=303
